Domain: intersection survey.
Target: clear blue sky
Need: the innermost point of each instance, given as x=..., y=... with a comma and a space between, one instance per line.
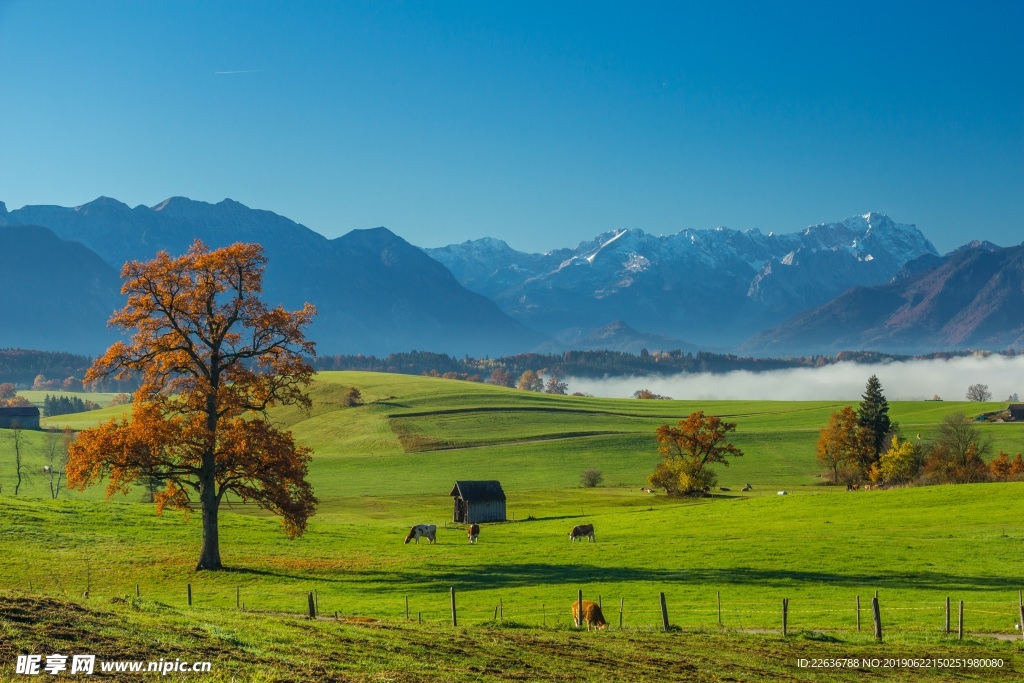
x=542, y=123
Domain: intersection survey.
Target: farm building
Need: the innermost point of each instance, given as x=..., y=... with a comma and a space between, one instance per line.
x=1016, y=411
x=26, y=418
x=478, y=501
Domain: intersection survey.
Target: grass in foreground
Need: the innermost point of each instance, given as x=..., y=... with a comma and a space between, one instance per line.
x=267, y=647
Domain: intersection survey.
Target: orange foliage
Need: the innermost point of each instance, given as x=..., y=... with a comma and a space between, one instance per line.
x=212, y=358
x=688, y=448
x=1001, y=467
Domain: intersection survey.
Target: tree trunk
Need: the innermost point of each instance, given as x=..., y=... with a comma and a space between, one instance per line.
x=210, y=556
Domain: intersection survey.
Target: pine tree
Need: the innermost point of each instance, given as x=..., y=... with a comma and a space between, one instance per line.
x=874, y=414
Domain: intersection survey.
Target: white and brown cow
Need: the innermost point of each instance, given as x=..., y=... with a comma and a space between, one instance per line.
x=582, y=531
x=422, y=530
x=473, y=531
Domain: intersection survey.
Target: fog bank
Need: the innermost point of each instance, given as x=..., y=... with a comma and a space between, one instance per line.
x=901, y=381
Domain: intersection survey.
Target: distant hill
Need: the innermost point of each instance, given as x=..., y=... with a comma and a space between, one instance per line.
x=375, y=292
x=970, y=298
x=615, y=336
x=57, y=294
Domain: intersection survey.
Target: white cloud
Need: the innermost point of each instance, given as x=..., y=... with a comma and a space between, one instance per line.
x=910, y=380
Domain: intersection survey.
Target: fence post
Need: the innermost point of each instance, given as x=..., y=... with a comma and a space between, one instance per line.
x=495, y=617
x=311, y=605
x=501, y=610
x=189, y=591
x=719, y=608
x=960, y=623
x=579, y=608
x=137, y=594
x=877, y=615
x=544, y=614
x=316, y=600
x=622, y=604
x=455, y=620
x=664, y=613
x=858, y=614
x=785, y=615
x=947, y=614
x=1021, y=621
x=406, y=607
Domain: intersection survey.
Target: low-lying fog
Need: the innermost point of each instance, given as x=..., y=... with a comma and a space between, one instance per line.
x=904, y=381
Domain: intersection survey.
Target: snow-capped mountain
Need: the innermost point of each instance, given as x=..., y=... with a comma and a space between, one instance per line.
x=711, y=287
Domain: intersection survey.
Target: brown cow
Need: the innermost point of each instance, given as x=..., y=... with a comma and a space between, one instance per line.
x=473, y=531
x=592, y=615
x=582, y=531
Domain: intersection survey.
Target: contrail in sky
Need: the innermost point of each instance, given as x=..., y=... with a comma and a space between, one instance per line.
x=244, y=71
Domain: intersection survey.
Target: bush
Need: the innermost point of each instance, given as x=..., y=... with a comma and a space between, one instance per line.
x=590, y=478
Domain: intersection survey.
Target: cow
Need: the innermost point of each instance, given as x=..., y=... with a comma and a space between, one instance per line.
x=582, y=531
x=748, y=487
x=473, y=531
x=592, y=615
x=425, y=530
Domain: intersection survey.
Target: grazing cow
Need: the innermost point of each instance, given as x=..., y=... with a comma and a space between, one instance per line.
x=426, y=530
x=473, y=531
x=582, y=531
x=592, y=615
x=748, y=487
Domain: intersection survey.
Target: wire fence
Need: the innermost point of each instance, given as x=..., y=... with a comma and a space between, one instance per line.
x=849, y=613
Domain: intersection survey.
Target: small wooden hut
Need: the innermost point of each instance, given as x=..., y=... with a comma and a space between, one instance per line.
x=1016, y=412
x=478, y=501
x=26, y=418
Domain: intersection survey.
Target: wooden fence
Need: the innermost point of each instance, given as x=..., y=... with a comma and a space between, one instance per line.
x=655, y=613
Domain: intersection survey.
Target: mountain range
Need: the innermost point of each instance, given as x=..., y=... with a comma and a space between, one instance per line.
x=971, y=298
x=713, y=288
x=375, y=292
x=860, y=283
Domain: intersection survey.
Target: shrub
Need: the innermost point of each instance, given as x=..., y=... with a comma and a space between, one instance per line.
x=591, y=477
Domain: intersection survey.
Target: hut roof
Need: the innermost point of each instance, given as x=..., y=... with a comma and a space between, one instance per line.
x=20, y=411
x=478, y=490
x=1016, y=406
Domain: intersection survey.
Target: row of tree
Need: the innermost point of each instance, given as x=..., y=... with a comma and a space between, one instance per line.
x=864, y=445
x=65, y=405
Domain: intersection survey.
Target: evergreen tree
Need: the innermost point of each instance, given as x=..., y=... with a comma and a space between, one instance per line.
x=873, y=414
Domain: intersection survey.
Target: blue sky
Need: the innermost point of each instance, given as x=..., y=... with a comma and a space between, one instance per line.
x=540, y=123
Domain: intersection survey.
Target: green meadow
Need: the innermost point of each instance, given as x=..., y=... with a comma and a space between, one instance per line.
x=380, y=467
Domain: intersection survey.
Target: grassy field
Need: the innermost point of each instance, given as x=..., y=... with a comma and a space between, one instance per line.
x=382, y=466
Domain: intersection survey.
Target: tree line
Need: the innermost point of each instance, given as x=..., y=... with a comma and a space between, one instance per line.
x=54, y=371
x=863, y=446
x=65, y=405
x=597, y=364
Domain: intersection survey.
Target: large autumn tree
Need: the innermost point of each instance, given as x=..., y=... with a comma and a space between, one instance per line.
x=212, y=359
x=687, y=449
x=845, y=447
